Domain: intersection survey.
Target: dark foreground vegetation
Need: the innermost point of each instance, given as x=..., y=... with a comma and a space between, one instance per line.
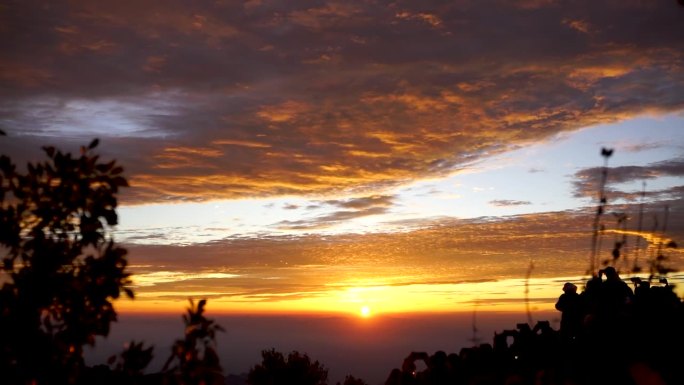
x=61, y=272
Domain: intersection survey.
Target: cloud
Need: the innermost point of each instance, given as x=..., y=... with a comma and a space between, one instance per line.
x=508, y=203
x=639, y=147
x=363, y=202
x=587, y=181
x=578, y=25
x=352, y=208
x=332, y=13
x=428, y=18
x=443, y=250
x=301, y=99
x=159, y=277
x=282, y=112
x=533, y=4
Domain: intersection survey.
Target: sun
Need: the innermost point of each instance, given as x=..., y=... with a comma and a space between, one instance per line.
x=365, y=311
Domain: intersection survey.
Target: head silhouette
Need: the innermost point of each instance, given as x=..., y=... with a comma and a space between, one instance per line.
x=610, y=272
x=569, y=287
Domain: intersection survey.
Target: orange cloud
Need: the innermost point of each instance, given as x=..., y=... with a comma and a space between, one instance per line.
x=493, y=252
x=24, y=75
x=330, y=13
x=431, y=19
x=579, y=25
x=282, y=112
x=313, y=100
x=154, y=63
x=240, y=143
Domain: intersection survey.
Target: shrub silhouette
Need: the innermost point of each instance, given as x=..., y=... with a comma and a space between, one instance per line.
x=126, y=368
x=351, y=380
x=131, y=363
x=60, y=266
x=193, y=359
x=296, y=369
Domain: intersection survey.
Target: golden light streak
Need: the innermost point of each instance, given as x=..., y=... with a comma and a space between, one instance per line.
x=194, y=151
x=241, y=143
x=151, y=279
x=653, y=239
x=504, y=295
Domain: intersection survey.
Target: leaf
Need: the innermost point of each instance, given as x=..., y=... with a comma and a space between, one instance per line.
x=49, y=150
x=607, y=152
x=129, y=293
x=105, y=167
x=120, y=181
x=93, y=144
x=111, y=217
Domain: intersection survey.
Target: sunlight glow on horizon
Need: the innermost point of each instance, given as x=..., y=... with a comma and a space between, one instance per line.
x=496, y=296
x=505, y=295
x=365, y=311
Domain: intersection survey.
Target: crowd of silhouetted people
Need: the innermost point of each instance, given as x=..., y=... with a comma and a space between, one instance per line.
x=610, y=333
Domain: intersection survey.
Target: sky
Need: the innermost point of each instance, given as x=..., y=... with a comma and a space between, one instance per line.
x=329, y=156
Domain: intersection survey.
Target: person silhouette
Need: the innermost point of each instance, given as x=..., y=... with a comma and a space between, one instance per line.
x=615, y=294
x=570, y=305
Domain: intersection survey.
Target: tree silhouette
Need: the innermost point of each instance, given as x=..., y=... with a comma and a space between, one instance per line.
x=60, y=266
x=296, y=369
x=193, y=359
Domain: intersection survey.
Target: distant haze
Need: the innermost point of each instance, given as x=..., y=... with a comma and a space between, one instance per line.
x=365, y=348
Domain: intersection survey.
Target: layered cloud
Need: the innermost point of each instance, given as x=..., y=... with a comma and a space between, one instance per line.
x=436, y=258
x=507, y=202
x=588, y=181
x=339, y=211
x=204, y=100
